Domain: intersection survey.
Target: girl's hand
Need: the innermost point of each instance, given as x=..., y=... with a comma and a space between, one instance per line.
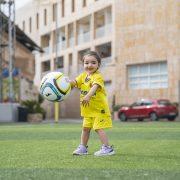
x=67, y=79
x=85, y=101
x=72, y=82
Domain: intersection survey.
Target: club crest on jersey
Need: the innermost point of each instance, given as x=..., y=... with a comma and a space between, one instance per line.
x=87, y=79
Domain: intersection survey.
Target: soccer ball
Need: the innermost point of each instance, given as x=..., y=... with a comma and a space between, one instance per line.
x=54, y=86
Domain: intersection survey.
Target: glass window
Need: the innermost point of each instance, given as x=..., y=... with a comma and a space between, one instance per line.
x=133, y=71
x=62, y=8
x=164, y=102
x=37, y=21
x=143, y=69
x=54, y=13
x=146, y=76
x=60, y=62
x=45, y=66
x=84, y=3
x=72, y=6
x=154, y=68
x=30, y=24
x=23, y=25
x=146, y=103
x=45, y=17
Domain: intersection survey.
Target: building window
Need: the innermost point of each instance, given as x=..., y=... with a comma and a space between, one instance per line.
x=70, y=63
x=84, y=3
x=62, y=9
x=70, y=59
x=45, y=17
x=59, y=63
x=37, y=21
x=148, y=76
x=105, y=51
x=30, y=24
x=107, y=83
x=54, y=15
x=72, y=5
x=46, y=66
x=23, y=24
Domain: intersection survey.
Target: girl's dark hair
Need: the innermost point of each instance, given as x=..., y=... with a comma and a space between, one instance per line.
x=94, y=54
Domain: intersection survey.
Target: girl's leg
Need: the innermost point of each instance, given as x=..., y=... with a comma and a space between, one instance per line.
x=85, y=135
x=105, y=150
x=82, y=148
x=102, y=136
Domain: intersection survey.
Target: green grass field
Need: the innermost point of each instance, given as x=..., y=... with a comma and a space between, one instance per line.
x=146, y=150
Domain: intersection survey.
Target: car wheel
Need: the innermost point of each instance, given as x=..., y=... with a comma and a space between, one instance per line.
x=140, y=119
x=122, y=117
x=171, y=118
x=153, y=116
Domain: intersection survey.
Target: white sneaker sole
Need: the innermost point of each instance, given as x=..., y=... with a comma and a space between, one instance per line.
x=109, y=154
x=80, y=154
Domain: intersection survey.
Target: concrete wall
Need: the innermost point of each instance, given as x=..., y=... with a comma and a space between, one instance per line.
x=147, y=32
x=9, y=112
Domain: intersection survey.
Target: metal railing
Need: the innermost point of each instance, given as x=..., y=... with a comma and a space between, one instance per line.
x=46, y=50
x=106, y=61
x=71, y=41
x=61, y=45
x=84, y=37
x=103, y=30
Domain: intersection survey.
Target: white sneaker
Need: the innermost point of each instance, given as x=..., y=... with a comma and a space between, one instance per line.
x=105, y=151
x=81, y=150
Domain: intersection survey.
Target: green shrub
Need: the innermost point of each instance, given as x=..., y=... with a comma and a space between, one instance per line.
x=34, y=106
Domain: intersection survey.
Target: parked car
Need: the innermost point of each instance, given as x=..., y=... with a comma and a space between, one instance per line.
x=149, y=108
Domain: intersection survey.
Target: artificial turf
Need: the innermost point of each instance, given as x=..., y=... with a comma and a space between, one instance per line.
x=144, y=150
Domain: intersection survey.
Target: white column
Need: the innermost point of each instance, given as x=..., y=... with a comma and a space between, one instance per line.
x=66, y=36
x=75, y=63
x=51, y=46
x=92, y=31
x=75, y=32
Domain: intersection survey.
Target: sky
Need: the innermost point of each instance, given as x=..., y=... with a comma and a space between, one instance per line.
x=20, y=3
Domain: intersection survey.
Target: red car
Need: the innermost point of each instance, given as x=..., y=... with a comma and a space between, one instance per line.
x=149, y=108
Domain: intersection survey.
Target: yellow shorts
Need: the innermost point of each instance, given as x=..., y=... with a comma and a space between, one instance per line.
x=97, y=122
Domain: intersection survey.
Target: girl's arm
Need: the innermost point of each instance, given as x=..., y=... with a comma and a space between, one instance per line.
x=88, y=96
x=72, y=82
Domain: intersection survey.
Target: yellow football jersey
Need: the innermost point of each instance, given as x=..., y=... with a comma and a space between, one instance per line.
x=98, y=104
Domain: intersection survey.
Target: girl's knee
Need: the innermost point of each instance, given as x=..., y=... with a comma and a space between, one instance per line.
x=85, y=129
x=99, y=130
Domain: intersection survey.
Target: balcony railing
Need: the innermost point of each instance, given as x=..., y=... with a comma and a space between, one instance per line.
x=103, y=31
x=61, y=46
x=106, y=61
x=71, y=41
x=83, y=38
x=60, y=70
x=46, y=50
x=70, y=69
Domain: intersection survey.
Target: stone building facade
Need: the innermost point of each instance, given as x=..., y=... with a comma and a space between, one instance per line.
x=148, y=51
x=138, y=42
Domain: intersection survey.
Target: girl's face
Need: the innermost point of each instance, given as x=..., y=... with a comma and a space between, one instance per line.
x=90, y=64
